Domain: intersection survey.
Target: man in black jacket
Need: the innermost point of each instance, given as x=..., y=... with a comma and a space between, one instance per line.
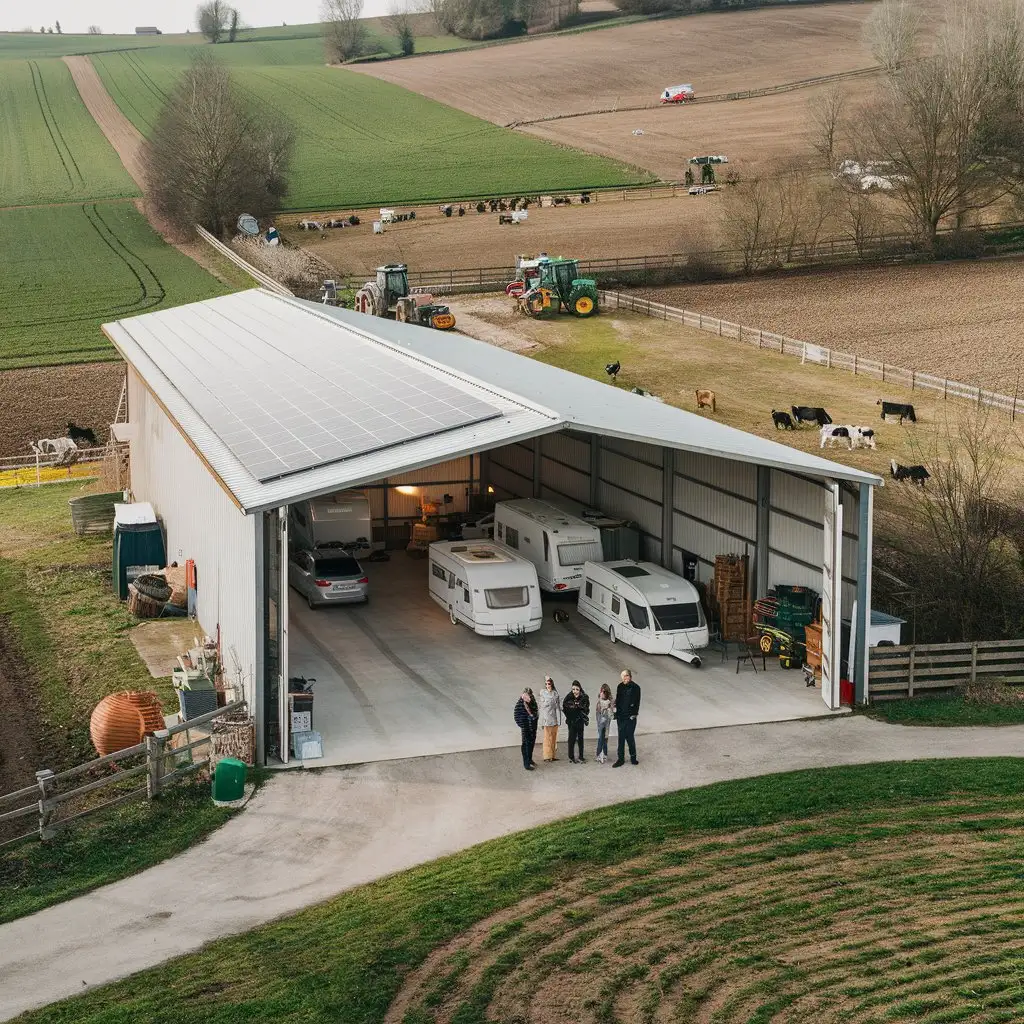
x=576, y=708
x=525, y=714
x=627, y=707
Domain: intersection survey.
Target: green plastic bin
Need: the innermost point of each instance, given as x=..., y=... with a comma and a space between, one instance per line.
x=135, y=544
x=229, y=779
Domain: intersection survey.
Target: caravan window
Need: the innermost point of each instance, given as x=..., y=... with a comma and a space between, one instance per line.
x=512, y=537
x=577, y=554
x=547, y=547
x=438, y=571
x=677, y=616
x=507, y=597
x=637, y=616
x=451, y=581
x=589, y=589
x=615, y=606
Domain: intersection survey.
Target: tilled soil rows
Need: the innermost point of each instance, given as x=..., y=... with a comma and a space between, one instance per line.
x=959, y=320
x=40, y=402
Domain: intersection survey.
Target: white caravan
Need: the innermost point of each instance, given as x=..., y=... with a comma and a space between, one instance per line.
x=556, y=542
x=645, y=606
x=340, y=520
x=484, y=585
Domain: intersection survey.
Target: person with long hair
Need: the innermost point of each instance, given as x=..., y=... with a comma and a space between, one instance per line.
x=604, y=711
x=525, y=714
x=550, y=717
x=576, y=708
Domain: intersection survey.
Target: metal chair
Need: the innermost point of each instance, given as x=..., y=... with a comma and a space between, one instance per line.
x=750, y=651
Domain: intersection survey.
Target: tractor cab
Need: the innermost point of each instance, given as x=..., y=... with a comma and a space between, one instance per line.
x=393, y=282
x=558, y=286
x=389, y=296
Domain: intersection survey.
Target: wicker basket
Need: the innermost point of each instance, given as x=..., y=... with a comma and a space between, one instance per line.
x=141, y=606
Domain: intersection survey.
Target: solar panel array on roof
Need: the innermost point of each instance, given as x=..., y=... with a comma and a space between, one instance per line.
x=282, y=408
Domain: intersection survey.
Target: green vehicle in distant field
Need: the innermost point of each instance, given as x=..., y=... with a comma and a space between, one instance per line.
x=545, y=284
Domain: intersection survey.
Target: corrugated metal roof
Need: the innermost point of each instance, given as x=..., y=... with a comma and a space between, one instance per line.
x=533, y=398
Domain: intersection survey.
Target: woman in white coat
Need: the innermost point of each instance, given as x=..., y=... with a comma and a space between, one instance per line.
x=549, y=717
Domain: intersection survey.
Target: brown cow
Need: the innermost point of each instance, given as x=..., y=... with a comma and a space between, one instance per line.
x=705, y=398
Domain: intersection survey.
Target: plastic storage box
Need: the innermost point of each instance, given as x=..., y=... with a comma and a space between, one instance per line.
x=229, y=779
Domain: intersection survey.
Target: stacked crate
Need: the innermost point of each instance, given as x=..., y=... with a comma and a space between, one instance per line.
x=730, y=592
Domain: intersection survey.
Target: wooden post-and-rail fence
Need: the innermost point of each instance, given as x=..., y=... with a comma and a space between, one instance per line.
x=903, y=671
x=142, y=771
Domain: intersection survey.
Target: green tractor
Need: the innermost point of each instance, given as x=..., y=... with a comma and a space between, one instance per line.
x=556, y=283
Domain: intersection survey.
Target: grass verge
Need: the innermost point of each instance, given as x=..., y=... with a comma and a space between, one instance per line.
x=688, y=899
x=955, y=709
x=119, y=843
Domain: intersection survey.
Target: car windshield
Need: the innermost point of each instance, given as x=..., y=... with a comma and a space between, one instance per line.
x=677, y=616
x=326, y=567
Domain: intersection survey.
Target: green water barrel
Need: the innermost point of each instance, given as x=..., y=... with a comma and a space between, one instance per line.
x=229, y=779
x=135, y=544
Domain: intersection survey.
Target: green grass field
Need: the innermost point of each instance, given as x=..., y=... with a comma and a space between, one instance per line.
x=864, y=894
x=51, y=149
x=68, y=269
x=362, y=141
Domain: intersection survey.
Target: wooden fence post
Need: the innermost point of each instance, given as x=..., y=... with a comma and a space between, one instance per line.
x=855, y=364
x=155, y=763
x=974, y=661
x=44, y=779
x=913, y=378
x=910, y=673
x=760, y=337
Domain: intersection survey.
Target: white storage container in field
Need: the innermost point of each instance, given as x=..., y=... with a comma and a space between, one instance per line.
x=485, y=586
x=556, y=542
x=645, y=606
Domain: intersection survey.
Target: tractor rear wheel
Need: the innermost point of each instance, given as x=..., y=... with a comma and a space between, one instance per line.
x=582, y=302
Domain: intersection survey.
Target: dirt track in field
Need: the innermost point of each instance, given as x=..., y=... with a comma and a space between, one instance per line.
x=120, y=132
x=962, y=320
x=601, y=229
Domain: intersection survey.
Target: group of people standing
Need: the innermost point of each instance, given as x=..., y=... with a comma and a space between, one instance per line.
x=548, y=710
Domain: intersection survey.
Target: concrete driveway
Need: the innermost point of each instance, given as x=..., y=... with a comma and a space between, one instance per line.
x=310, y=835
x=396, y=679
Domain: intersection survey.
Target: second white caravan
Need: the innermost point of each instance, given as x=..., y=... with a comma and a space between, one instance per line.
x=645, y=606
x=557, y=543
x=486, y=587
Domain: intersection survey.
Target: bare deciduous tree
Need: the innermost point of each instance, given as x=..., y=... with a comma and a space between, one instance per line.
x=399, y=20
x=216, y=19
x=214, y=154
x=827, y=112
x=893, y=32
x=344, y=32
x=95, y=30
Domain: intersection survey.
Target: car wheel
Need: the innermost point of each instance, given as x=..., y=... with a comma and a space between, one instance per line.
x=611, y=633
x=453, y=616
x=311, y=603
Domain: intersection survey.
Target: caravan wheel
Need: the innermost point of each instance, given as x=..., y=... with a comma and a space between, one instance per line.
x=611, y=633
x=452, y=615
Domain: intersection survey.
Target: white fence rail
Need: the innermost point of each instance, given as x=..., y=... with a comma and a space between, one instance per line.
x=810, y=353
x=228, y=253
x=37, y=470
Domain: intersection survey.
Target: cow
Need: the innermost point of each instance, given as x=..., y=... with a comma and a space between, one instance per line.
x=829, y=434
x=904, y=410
x=810, y=414
x=915, y=474
x=82, y=435
x=783, y=420
x=705, y=399
x=862, y=437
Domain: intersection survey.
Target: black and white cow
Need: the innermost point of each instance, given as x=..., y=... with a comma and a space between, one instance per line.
x=782, y=420
x=915, y=474
x=904, y=410
x=810, y=414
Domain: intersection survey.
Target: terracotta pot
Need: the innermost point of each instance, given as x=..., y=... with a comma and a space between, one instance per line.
x=116, y=723
x=149, y=705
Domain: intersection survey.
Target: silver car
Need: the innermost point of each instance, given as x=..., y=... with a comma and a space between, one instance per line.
x=327, y=577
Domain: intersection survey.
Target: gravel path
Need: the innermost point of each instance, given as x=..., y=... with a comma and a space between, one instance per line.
x=310, y=835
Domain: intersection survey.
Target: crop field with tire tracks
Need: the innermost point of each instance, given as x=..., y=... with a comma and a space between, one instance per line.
x=50, y=148
x=68, y=269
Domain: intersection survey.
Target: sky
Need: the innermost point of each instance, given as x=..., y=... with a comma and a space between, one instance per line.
x=167, y=15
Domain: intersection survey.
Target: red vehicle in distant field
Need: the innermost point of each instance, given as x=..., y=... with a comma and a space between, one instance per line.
x=678, y=94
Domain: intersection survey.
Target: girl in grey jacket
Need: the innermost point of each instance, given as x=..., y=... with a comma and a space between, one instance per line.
x=549, y=716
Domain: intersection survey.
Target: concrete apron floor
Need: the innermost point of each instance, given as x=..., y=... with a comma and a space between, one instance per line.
x=309, y=835
x=396, y=679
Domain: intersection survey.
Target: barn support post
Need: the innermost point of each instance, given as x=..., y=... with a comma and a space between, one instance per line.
x=536, y=466
x=485, y=472
x=865, y=526
x=764, y=495
x=595, y=468
x=260, y=672
x=387, y=517
x=668, y=477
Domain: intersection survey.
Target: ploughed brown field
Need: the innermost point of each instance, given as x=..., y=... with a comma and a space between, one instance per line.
x=629, y=66
x=962, y=320
x=602, y=229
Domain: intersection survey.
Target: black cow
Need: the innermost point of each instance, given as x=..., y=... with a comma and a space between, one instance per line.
x=782, y=420
x=810, y=414
x=915, y=474
x=904, y=410
x=82, y=435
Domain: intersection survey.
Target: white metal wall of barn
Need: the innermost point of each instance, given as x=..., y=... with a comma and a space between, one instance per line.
x=201, y=522
x=714, y=503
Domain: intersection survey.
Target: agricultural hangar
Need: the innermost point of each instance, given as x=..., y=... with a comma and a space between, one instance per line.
x=243, y=405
